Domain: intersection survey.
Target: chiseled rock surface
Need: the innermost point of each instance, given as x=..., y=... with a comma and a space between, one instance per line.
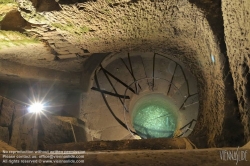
x=33, y=132
x=6, y=112
x=236, y=16
x=4, y=136
x=189, y=30
x=192, y=30
x=5, y=146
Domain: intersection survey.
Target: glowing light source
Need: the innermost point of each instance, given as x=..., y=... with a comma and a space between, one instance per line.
x=154, y=117
x=36, y=108
x=213, y=59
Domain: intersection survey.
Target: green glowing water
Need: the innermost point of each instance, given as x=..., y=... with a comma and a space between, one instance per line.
x=154, y=117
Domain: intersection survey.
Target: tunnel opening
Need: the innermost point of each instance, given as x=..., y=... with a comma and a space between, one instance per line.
x=148, y=95
x=154, y=116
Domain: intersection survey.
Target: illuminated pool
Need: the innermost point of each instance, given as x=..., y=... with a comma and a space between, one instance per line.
x=154, y=116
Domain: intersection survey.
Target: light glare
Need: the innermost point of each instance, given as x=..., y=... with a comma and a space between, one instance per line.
x=36, y=108
x=213, y=58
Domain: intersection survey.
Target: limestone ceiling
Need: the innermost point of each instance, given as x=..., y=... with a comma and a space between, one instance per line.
x=72, y=31
x=69, y=32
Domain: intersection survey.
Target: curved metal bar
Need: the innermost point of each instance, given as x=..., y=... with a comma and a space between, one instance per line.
x=189, y=125
x=185, y=78
x=125, y=109
x=110, y=110
x=128, y=87
x=172, y=78
x=153, y=85
x=148, y=78
x=187, y=99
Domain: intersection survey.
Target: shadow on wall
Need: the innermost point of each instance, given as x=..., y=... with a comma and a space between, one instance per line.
x=45, y=5
x=72, y=1
x=14, y=21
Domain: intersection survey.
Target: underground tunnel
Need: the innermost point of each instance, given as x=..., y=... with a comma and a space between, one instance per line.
x=156, y=97
x=143, y=81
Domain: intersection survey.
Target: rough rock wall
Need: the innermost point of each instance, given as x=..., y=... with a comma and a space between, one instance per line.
x=5, y=146
x=172, y=27
x=183, y=28
x=236, y=16
x=8, y=111
x=13, y=21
